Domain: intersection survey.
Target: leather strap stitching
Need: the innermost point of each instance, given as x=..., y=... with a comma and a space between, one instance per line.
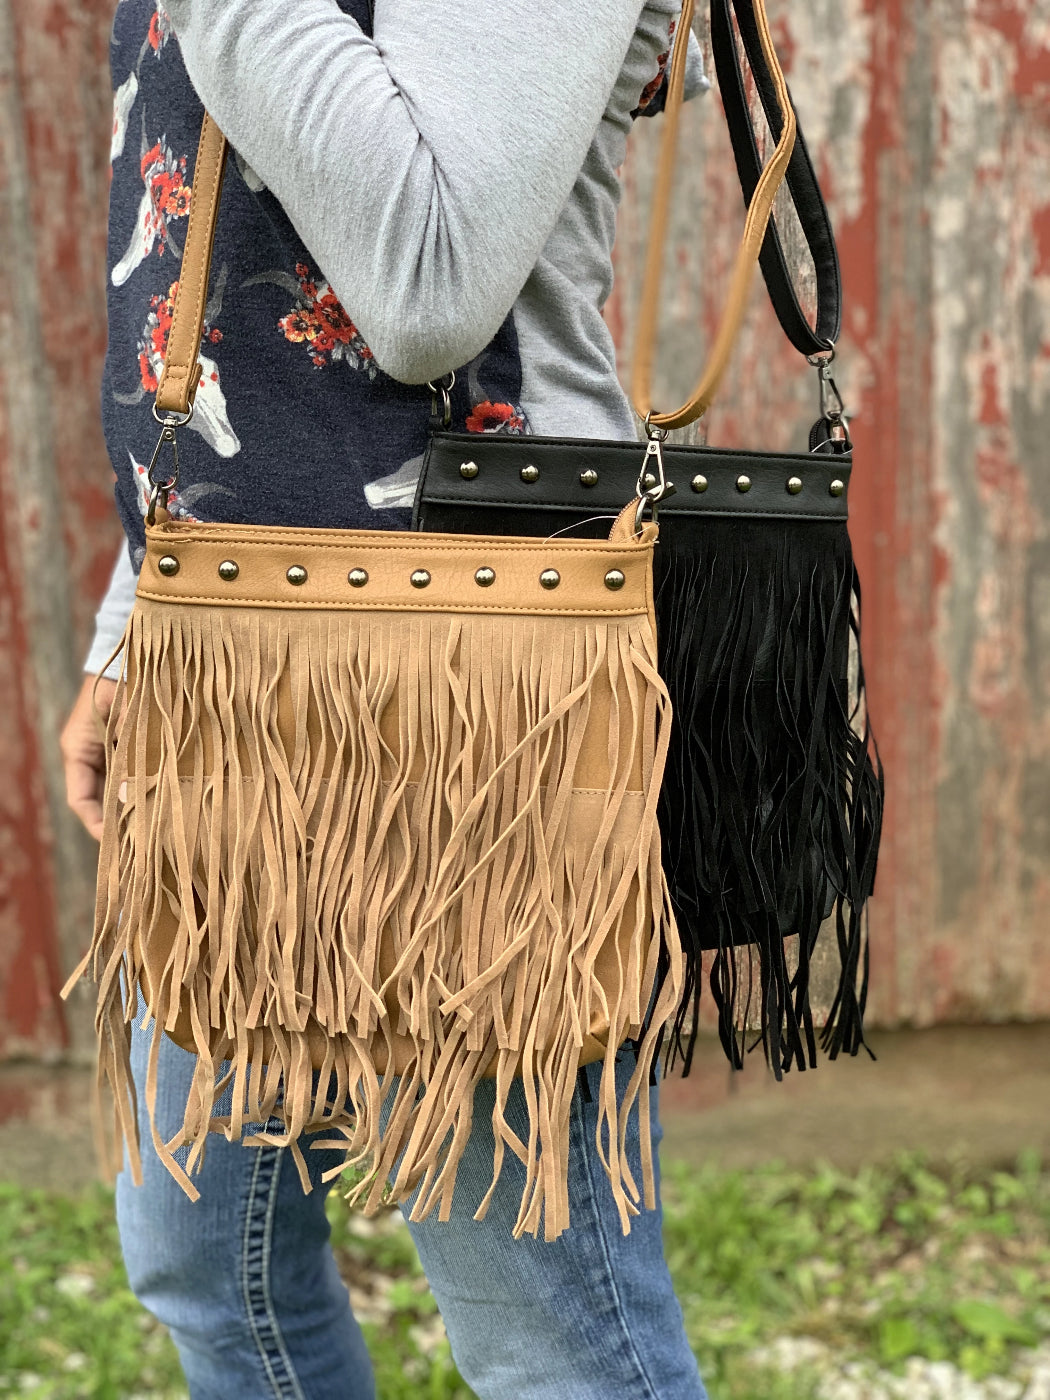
x=413, y=605
x=178, y=382
x=801, y=181
x=758, y=217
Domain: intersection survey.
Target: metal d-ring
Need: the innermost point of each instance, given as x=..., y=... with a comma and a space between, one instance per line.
x=445, y=390
x=170, y=418
x=652, y=430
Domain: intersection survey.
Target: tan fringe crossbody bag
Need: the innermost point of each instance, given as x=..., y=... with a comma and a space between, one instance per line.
x=380, y=821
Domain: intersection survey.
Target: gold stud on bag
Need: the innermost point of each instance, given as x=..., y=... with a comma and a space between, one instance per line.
x=380, y=821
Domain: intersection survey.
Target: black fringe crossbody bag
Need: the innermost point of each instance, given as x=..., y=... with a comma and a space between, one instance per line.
x=771, y=806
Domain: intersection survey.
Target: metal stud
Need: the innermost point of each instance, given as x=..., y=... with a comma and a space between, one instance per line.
x=550, y=578
x=420, y=578
x=648, y=481
x=168, y=565
x=228, y=570
x=589, y=477
x=743, y=483
x=794, y=485
x=468, y=470
x=297, y=575
x=357, y=578
x=837, y=487
x=485, y=577
x=530, y=474
x=615, y=579
x=699, y=483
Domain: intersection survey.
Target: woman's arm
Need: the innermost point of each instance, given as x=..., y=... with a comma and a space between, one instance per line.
x=424, y=168
x=112, y=616
x=83, y=745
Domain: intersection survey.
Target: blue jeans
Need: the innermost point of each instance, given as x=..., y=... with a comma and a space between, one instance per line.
x=247, y=1284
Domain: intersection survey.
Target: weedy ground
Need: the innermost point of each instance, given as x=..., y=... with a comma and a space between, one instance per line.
x=900, y=1281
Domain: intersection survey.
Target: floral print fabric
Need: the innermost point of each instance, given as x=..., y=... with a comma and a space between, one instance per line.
x=490, y=417
x=320, y=323
x=165, y=199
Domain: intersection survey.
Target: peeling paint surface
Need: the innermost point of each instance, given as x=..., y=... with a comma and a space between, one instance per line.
x=929, y=124
x=991, y=475
x=58, y=532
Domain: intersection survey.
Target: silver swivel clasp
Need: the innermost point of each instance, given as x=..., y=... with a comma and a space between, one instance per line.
x=832, y=409
x=162, y=487
x=653, y=485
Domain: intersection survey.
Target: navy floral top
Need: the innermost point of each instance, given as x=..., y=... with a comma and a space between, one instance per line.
x=295, y=423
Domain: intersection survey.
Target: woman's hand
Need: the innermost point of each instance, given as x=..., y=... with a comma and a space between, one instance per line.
x=84, y=753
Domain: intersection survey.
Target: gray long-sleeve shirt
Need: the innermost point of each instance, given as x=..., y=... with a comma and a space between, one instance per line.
x=457, y=164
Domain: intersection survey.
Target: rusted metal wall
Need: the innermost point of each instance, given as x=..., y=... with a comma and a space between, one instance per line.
x=58, y=534
x=930, y=122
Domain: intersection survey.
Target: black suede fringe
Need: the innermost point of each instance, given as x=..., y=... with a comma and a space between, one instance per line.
x=771, y=807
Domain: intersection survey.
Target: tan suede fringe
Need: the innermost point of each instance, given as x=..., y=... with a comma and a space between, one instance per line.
x=336, y=845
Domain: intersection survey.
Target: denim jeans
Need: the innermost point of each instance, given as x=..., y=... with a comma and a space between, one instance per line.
x=247, y=1284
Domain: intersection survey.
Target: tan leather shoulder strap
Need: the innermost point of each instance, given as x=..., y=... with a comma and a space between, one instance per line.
x=178, y=383
x=758, y=216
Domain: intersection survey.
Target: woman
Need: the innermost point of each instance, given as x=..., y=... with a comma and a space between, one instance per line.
x=417, y=188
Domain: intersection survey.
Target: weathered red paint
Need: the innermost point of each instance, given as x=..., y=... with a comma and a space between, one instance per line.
x=1041, y=235
x=945, y=258
x=894, y=508
x=67, y=104
x=58, y=80
x=30, y=976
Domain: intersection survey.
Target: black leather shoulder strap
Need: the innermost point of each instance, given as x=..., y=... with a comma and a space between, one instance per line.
x=801, y=182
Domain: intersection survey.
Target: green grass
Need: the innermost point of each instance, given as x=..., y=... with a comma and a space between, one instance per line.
x=892, y=1263
x=69, y=1327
